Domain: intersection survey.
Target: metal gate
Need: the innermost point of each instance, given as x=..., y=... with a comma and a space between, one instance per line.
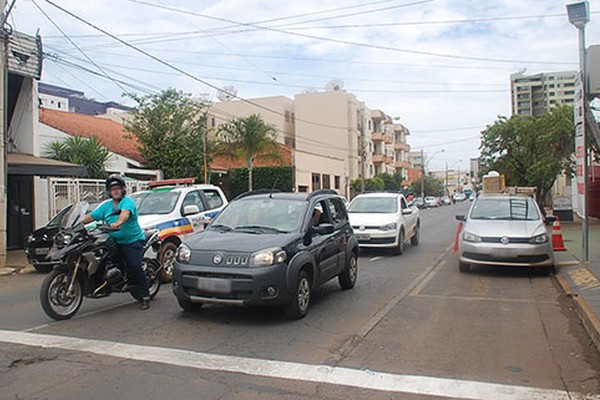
x=64, y=191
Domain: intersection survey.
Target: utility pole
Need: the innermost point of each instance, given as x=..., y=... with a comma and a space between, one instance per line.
x=3, y=129
x=422, y=176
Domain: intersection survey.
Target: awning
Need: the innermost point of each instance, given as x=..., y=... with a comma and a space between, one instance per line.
x=27, y=164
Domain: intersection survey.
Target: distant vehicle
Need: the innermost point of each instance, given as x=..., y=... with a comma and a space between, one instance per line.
x=446, y=200
x=459, y=197
x=431, y=201
x=505, y=230
x=384, y=220
x=418, y=202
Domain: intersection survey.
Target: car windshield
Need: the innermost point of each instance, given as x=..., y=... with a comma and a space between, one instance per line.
x=376, y=205
x=505, y=209
x=262, y=214
x=159, y=202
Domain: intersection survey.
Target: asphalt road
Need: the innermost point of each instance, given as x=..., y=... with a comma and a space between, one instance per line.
x=412, y=328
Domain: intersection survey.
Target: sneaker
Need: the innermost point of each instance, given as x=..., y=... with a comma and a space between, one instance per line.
x=145, y=303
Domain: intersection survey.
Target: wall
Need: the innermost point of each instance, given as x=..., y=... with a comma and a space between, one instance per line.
x=22, y=132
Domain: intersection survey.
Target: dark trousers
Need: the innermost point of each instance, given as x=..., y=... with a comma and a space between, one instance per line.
x=134, y=256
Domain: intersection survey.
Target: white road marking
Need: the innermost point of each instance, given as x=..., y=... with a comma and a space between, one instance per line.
x=364, y=379
x=376, y=258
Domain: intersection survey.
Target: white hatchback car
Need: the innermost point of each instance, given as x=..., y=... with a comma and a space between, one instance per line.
x=384, y=220
x=177, y=208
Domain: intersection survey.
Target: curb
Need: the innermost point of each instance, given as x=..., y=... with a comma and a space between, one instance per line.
x=590, y=321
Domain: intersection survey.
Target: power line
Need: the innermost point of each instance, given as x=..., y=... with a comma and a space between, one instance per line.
x=346, y=42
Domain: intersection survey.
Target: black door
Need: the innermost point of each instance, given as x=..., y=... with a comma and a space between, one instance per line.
x=20, y=218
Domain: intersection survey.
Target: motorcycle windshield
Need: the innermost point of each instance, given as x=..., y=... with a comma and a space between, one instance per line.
x=76, y=214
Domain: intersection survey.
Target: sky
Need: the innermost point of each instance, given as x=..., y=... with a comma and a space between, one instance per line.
x=440, y=67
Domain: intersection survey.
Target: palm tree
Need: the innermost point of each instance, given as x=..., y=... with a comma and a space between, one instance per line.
x=248, y=138
x=77, y=150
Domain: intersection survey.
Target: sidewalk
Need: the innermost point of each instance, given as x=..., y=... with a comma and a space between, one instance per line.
x=579, y=280
x=16, y=263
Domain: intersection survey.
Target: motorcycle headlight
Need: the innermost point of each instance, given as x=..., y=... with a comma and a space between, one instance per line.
x=184, y=254
x=471, y=237
x=389, y=227
x=62, y=239
x=539, y=239
x=268, y=257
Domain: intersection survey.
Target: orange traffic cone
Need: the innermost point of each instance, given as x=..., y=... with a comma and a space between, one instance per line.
x=557, y=237
x=458, y=231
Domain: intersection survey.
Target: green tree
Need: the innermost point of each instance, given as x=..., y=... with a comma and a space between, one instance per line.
x=371, y=184
x=171, y=128
x=77, y=150
x=530, y=151
x=392, y=182
x=432, y=186
x=248, y=138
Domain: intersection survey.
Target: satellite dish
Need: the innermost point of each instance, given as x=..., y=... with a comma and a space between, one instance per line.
x=334, y=85
x=227, y=93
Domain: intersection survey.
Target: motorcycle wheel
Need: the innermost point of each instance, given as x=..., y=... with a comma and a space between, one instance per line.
x=153, y=275
x=56, y=302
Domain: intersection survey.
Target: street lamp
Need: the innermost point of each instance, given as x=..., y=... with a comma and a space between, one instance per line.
x=423, y=166
x=579, y=16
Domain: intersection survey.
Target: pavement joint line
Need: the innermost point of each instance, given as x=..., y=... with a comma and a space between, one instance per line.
x=417, y=290
x=310, y=373
x=495, y=300
x=346, y=348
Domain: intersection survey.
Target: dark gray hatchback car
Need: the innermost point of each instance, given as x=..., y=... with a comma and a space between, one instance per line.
x=268, y=249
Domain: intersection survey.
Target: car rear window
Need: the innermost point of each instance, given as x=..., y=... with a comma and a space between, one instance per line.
x=505, y=209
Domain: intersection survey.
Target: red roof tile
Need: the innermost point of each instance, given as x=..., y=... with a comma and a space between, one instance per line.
x=110, y=133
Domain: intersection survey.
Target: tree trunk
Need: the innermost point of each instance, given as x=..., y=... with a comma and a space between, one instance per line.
x=250, y=179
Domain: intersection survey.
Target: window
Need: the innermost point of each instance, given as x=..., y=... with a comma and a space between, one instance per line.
x=212, y=122
x=336, y=211
x=192, y=199
x=336, y=182
x=58, y=104
x=302, y=188
x=316, y=181
x=326, y=184
x=213, y=198
x=403, y=203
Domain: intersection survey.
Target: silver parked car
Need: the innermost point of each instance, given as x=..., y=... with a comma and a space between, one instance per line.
x=505, y=230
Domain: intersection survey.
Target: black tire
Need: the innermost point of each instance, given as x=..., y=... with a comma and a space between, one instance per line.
x=298, y=306
x=347, y=278
x=462, y=267
x=187, y=305
x=55, y=301
x=414, y=240
x=167, y=259
x=399, y=249
x=153, y=280
x=43, y=269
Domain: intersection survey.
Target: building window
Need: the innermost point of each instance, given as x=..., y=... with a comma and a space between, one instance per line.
x=336, y=182
x=326, y=181
x=58, y=104
x=302, y=188
x=316, y=181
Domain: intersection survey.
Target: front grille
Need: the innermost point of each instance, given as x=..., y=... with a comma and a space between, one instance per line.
x=499, y=240
x=220, y=275
x=388, y=240
x=369, y=227
x=518, y=259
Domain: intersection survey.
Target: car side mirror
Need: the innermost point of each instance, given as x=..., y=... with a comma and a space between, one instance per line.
x=191, y=209
x=549, y=219
x=460, y=218
x=323, y=229
x=407, y=211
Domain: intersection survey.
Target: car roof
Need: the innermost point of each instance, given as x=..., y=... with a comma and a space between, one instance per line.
x=269, y=193
x=177, y=188
x=379, y=194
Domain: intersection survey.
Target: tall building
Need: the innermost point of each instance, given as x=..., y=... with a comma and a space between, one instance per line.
x=536, y=94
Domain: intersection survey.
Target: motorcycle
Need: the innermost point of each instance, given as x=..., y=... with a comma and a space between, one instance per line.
x=89, y=265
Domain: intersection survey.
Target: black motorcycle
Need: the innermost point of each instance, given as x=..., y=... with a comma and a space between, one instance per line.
x=89, y=264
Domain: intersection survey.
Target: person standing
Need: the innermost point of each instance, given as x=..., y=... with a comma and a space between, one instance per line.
x=121, y=212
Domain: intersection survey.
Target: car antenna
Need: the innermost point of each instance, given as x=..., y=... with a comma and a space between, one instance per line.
x=273, y=187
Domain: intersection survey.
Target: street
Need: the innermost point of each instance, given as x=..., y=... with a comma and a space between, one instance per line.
x=414, y=327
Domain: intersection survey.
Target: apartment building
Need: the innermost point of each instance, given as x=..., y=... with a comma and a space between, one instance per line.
x=536, y=94
x=334, y=136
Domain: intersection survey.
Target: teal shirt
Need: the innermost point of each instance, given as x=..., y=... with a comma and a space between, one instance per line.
x=130, y=230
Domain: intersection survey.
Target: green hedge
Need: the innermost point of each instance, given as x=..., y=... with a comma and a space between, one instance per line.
x=280, y=178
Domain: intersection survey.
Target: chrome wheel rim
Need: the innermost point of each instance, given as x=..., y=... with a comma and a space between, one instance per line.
x=303, y=294
x=353, y=269
x=62, y=302
x=169, y=262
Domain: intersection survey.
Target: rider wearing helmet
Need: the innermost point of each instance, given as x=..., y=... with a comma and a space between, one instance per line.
x=121, y=212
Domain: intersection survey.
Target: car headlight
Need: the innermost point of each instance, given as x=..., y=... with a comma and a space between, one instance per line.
x=184, y=254
x=470, y=237
x=389, y=227
x=268, y=257
x=539, y=239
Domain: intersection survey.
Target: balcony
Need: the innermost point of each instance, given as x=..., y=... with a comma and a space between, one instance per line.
x=380, y=158
x=402, y=165
x=377, y=137
x=387, y=139
x=402, y=146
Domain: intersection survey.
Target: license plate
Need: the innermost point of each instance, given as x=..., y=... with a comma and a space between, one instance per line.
x=214, y=285
x=41, y=250
x=504, y=253
x=363, y=236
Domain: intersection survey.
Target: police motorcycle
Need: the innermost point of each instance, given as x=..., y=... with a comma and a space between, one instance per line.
x=89, y=264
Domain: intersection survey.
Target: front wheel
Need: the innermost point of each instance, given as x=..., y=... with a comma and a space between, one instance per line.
x=347, y=278
x=414, y=240
x=167, y=259
x=399, y=249
x=58, y=303
x=187, y=305
x=153, y=274
x=298, y=307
